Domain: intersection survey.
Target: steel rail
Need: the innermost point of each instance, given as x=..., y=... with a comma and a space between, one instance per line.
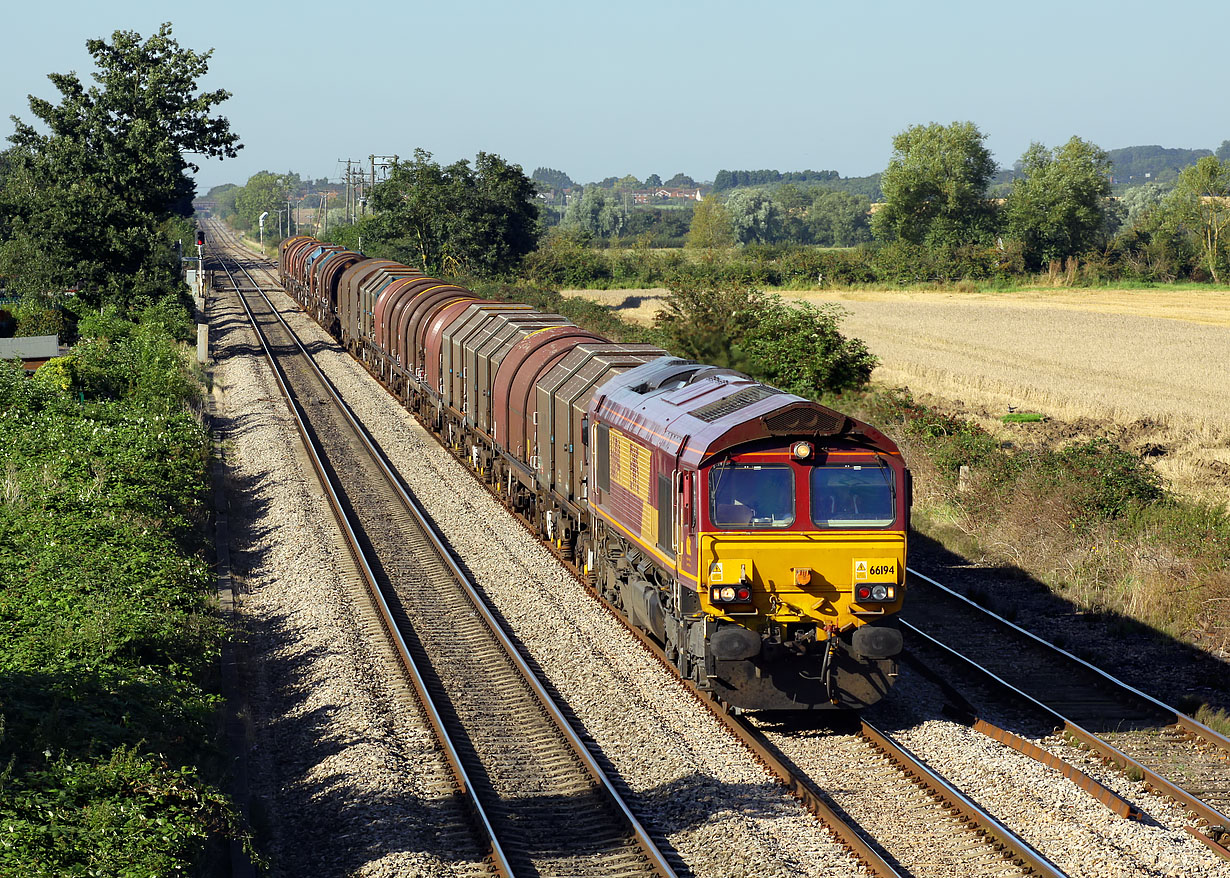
x=649, y=847
x=1024, y=853
x=1185, y=722
x=800, y=786
x=1155, y=781
x=474, y=804
x=966, y=714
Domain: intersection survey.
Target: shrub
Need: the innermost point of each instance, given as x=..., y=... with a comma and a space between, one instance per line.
x=797, y=348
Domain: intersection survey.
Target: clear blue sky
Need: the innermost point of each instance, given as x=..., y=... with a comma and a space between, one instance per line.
x=659, y=87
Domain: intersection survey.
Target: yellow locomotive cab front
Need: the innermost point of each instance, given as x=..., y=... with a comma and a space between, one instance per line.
x=801, y=572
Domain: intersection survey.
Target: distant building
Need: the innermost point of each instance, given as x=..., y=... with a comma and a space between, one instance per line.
x=648, y=196
x=33, y=351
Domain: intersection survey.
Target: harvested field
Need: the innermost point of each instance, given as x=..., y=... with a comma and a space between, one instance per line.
x=1150, y=367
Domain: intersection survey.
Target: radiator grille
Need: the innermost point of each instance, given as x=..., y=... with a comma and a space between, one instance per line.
x=805, y=419
x=741, y=399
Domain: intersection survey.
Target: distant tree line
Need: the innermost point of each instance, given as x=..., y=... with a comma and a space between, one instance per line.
x=1058, y=211
x=726, y=180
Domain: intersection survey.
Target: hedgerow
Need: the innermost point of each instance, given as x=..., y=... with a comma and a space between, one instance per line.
x=108, y=639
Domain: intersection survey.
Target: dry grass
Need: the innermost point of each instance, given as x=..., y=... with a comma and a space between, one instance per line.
x=1150, y=366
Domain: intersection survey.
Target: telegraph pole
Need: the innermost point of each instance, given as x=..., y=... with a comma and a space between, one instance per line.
x=360, y=184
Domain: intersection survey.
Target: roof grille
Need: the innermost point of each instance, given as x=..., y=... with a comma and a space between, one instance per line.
x=805, y=418
x=741, y=399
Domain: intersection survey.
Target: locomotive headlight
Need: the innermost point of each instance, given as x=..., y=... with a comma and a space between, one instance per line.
x=727, y=594
x=801, y=450
x=879, y=593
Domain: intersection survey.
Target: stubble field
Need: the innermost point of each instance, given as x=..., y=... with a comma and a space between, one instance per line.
x=1151, y=368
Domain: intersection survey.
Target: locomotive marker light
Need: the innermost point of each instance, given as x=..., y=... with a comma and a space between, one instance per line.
x=729, y=594
x=876, y=593
x=801, y=450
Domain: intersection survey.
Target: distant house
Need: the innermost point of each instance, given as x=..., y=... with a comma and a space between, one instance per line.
x=648, y=196
x=689, y=193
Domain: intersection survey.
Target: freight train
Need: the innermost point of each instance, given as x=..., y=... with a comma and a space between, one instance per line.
x=759, y=537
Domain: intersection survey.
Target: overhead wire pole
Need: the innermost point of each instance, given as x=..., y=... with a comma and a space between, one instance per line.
x=349, y=189
x=383, y=162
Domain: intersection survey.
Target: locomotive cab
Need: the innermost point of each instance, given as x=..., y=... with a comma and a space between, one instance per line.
x=800, y=556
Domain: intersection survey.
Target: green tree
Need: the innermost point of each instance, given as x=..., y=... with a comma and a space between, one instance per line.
x=1201, y=202
x=1140, y=200
x=597, y=213
x=800, y=349
x=1223, y=151
x=265, y=191
x=653, y=181
x=755, y=218
x=1058, y=209
x=840, y=219
x=796, y=348
x=456, y=218
x=711, y=227
x=935, y=187
x=86, y=195
x=552, y=179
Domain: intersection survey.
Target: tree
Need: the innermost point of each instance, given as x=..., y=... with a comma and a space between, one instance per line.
x=1201, y=201
x=456, y=218
x=754, y=217
x=1058, y=209
x=680, y=181
x=1140, y=200
x=797, y=348
x=1223, y=151
x=264, y=191
x=552, y=179
x=597, y=213
x=839, y=219
x=711, y=227
x=653, y=181
x=800, y=349
x=86, y=198
x=935, y=187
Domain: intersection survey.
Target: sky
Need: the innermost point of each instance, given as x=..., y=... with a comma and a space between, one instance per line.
x=640, y=87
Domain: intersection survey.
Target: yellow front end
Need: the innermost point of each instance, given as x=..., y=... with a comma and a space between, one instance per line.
x=803, y=578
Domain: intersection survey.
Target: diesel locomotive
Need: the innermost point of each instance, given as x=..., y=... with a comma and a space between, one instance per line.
x=759, y=537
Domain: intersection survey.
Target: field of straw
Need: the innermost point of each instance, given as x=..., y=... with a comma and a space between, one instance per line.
x=1151, y=368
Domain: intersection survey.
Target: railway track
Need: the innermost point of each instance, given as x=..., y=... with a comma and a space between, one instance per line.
x=539, y=800
x=1174, y=754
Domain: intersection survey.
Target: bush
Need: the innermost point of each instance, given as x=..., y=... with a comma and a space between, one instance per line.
x=799, y=349
x=1103, y=480
x=796, y=348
